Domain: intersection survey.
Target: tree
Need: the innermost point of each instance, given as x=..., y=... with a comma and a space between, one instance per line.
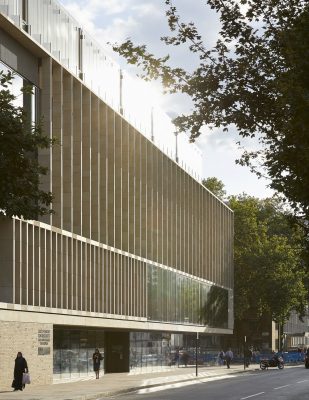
x=255, y=78
x=20, y=193
x=270, y=264
x=215, y=186
x=269, y=261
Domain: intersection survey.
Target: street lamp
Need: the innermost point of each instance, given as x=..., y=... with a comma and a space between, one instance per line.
x=245, y=343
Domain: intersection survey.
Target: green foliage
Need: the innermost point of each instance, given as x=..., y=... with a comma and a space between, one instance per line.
x=255, y=78
x=271, y=266
x=20, y=193
x=269, y=252
x=215, y=186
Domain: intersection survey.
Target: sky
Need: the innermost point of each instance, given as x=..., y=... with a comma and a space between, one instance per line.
x=144, y=21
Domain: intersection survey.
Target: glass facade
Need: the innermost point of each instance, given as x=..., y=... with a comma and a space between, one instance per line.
x=73, y=350
x=74, y=347
x=177, y=298
x=151, y=350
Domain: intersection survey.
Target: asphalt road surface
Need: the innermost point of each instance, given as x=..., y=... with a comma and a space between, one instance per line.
x=291, y=383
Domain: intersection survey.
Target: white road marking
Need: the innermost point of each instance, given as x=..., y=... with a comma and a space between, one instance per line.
x=306, y=380
x=252, y=395
x=182, y=384
x=280, y=387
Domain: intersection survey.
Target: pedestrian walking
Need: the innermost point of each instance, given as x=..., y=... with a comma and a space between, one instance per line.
x=228, y=357
x=221, y=357
x=20, y=368
x=185, y=358
x=97, y=358
x=176, y=358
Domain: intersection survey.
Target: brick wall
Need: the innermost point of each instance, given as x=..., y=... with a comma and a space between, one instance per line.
x=31, y=339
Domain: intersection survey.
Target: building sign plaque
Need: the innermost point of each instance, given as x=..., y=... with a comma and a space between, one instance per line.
x=43, y=340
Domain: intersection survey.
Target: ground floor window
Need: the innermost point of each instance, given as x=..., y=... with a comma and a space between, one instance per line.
x=124, y=351
x=73, y=350
x=159, y=350
x=153, y=349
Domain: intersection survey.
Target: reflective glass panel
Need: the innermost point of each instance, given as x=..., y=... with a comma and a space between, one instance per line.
x=173, y=297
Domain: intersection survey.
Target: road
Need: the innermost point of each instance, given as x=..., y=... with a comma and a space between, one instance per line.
x=292, y=383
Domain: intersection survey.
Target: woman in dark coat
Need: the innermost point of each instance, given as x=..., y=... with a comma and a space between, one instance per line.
x=19, y=368
x=97, y=358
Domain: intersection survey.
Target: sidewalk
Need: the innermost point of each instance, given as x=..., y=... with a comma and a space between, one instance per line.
x=114, y=384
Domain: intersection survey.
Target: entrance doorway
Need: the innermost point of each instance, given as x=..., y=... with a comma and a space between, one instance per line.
x=117, y=351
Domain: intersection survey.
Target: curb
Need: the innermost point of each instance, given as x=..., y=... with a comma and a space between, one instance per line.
x=101, y=395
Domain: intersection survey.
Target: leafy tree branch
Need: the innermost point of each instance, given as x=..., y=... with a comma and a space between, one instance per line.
x=20, y=171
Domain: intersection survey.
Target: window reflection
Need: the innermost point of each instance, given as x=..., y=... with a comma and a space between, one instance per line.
x=158, y=350
x=25, y=99
x=214, y=311
x=73, y=350
x=150, y=350
x=173, y=297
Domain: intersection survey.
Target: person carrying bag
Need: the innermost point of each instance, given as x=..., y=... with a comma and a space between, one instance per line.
x=20, y=368
x=26, y=378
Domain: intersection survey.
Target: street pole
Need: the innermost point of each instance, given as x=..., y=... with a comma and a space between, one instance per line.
x=196, y=349
x=245, y=341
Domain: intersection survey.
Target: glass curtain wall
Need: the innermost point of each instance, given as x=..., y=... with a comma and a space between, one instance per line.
x=151, y=350
x=158, y=350
x=74, y=347
x=73, y=350
x=173, y=297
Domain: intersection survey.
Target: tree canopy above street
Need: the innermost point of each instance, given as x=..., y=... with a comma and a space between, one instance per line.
x=255, y=78
x=269, y=251
x=20, y=193
x=270, y=259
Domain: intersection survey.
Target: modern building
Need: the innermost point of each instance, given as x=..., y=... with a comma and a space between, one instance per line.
x=138, y=256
